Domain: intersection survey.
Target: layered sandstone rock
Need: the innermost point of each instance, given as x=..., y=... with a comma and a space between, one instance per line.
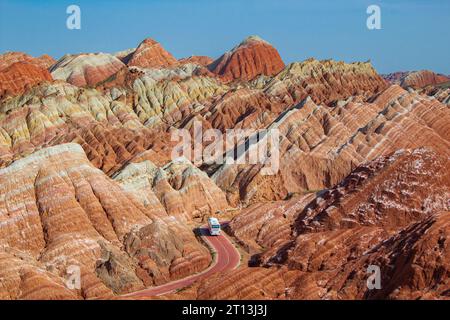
x=124, y=55
x=86, y=69
x=265, y=225
x=416, y=79
x=150, y=54
x=372, y=197
x=373, y=194
x=241, y=284
x=201, y=60
x=179, y=188
x=252, y=57
x=108, y=129
x=66, y=212
x=19, y=76
x=325, y=81
x=136, y=98
x=440, y=92
x=319, y=145
x=349, y=192
x=399, y=222
x=420, y=79
x=414, y=264
x=9, y=58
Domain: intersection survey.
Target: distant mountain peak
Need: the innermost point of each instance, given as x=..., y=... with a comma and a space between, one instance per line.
x=251, y=58
x=150, y=54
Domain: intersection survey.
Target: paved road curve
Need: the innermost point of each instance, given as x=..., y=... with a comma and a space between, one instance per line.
x=227, y=258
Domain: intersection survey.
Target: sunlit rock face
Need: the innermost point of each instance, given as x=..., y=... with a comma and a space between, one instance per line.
x=320, y=145
x=86, y=69
x=88, y=178
x=67, y=212
x=416, y=79
x=135, y=102
x=319, y=245
x=9, y=58
x=201, y=60
x=150, y=54
x=179, y=188
x=19, y=76
x=252, y=57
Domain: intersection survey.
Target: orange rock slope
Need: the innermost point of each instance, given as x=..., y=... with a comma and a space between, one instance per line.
x=392, y=212
x=252, y=57
x=86, y=69
x=320, y=145
x=416, y=79
x=66, y=212
x=88, y=178
x=151, y=54
x=7, y=59
x=19, y=76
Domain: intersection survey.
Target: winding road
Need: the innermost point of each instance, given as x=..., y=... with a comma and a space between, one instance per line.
x=227, y=257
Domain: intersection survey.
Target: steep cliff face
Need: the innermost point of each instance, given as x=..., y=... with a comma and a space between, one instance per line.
x=251, y=58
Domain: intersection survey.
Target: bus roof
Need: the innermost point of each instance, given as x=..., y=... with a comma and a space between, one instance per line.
x=213, y=220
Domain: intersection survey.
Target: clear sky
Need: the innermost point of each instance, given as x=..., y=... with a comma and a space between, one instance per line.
x=415, y=34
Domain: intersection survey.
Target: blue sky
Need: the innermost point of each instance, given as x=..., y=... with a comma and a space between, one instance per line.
x=415, y=33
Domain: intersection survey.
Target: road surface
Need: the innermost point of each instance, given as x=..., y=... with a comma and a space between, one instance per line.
x=227, y=257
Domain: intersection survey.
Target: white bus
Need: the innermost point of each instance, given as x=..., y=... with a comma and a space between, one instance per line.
x=213, y=226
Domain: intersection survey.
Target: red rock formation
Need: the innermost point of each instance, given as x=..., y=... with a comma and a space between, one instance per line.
x=423, y=78
x=391, y=212
x=373, y=194
x=416, y=79
x=109, y=138
x=242, y=284
x=395, y=77
x=124, y=55
x=7, y=59
x=319, y=145
x=265, y=225
x=72, y=214
x=150, y=54
x=201, y=60
x=19, y=76
x=173, y=187
x=414, y=263
x=440, y=92
x=86, y=69
x=390, y=196
x=325, y=81
x=349, y=191
x=251, y=58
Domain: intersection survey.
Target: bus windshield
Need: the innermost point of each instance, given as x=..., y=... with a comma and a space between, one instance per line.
x=215, y=226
